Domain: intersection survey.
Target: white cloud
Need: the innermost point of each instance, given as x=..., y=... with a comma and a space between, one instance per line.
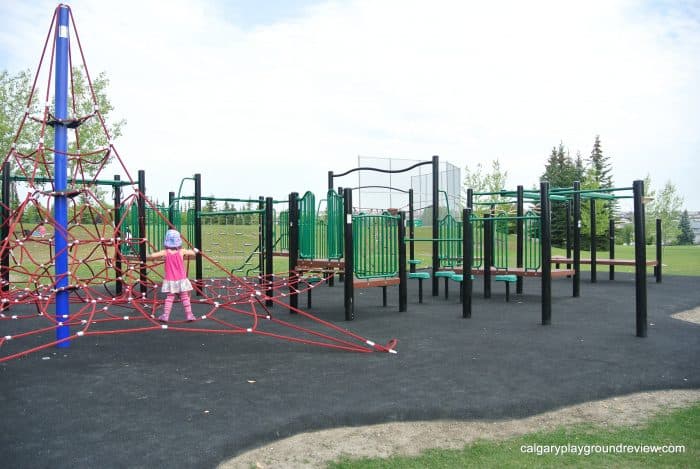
x=270, y=109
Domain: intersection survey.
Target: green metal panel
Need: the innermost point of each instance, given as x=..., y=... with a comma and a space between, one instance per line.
x=532, y=242
x=450, y=246
x=335, y=223
x=307, y=226
x=501, y=229
x=375, y=246
x=281, y=234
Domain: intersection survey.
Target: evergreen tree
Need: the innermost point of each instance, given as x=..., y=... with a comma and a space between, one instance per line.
x=560, y=171
x=600, y=176
x=686, y=235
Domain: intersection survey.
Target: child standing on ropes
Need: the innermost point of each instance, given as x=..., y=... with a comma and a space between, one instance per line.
x=175, y=280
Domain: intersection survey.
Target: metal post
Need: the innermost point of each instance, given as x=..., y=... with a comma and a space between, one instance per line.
x=520, y=211
x=171, y=208
x=5, y=232
x=198, y=232
x=436, y=218
x=546, y=245
x=568, y=232
x=142, y=236
x=488, y=253
x=577, y=239
x=330, y=180
x=119, y=280
x=594, y=247
x=411, y=229
x=261, y=240
x=349, y=286
x=293, y=236
x=269, y=274
x=659, y=249
x=403, y=278
x=611, y=246
x=61, y=176
x=640, y=258
x=468, y=256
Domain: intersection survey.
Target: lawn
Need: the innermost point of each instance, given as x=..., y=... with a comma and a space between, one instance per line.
x=676, y=437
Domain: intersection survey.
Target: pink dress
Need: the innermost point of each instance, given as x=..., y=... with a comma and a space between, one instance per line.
x=175, y=280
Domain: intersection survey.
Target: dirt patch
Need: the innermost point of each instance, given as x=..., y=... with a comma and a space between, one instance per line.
x=691, y=315
x=315, y=449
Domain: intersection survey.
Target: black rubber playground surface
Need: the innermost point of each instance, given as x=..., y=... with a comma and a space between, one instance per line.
x=167, y=399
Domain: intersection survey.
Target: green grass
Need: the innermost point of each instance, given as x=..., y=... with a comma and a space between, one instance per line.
x=676, y=260
x=681, y=428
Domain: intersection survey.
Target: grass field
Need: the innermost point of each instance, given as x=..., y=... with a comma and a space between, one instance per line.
x=235, y=248
x=680, y=429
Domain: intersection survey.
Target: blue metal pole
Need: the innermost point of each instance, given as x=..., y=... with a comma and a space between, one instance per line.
x=61, y=176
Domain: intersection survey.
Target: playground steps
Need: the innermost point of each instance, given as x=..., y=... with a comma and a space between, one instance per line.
x=519, y=271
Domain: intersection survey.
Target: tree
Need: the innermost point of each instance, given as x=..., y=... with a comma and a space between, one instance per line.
x=666, y=206
x=560, y=171
x=90, y=136
x=685, y=235
x=479, y=180
x=599, y=176
x=600, y=165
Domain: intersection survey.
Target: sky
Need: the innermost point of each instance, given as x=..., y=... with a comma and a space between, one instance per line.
x=265, y=97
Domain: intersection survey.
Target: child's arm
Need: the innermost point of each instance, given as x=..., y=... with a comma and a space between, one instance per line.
x=190, y=252
x=155, y=255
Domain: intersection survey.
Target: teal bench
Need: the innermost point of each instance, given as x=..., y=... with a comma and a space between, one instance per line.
x=420, y=276
x=447, y=275
x=311, y=281
x=460, y=278
x=507, y=279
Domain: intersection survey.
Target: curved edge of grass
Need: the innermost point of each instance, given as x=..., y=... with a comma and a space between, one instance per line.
x=677, y=428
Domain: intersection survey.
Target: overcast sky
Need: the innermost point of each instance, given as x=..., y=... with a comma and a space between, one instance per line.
x=264, y=97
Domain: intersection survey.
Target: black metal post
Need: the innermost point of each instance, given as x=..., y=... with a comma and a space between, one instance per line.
x=659, y=249
x=435, y=221
x=143, y=271
x=467, y=259
x=640, y=260
x=5, y=215
x=546, y=245
x=577, y=239
x=349, y=284
x=118, y=273
x=611, y=246
x=520, y=212
x=171, y=208
x=293, y=235
x=330, y=180
x=198, y=232
x=269, y=274
x=261, y=240
x=568, y=232
x=411, y=230
x=488, y=253
x=594, y=248
x=403, y=278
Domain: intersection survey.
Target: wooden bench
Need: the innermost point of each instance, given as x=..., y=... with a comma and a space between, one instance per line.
x=622, y=262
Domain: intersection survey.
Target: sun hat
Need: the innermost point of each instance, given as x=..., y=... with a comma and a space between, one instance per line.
x=172, y=239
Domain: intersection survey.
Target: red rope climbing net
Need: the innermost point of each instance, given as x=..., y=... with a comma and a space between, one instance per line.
x=113, y=293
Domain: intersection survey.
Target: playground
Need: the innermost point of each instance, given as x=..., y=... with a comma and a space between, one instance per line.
x=196, y=400
x=311, y=312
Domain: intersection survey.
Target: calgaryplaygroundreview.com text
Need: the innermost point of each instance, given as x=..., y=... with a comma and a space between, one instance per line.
x=588, y=450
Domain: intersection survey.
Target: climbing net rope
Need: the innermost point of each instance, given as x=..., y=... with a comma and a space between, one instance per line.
x=111, y=292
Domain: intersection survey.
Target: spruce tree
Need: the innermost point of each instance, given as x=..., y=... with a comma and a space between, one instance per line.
x=560, y=171
x=686, y=235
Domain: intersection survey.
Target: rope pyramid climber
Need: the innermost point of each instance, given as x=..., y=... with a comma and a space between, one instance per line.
x=81, y=259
